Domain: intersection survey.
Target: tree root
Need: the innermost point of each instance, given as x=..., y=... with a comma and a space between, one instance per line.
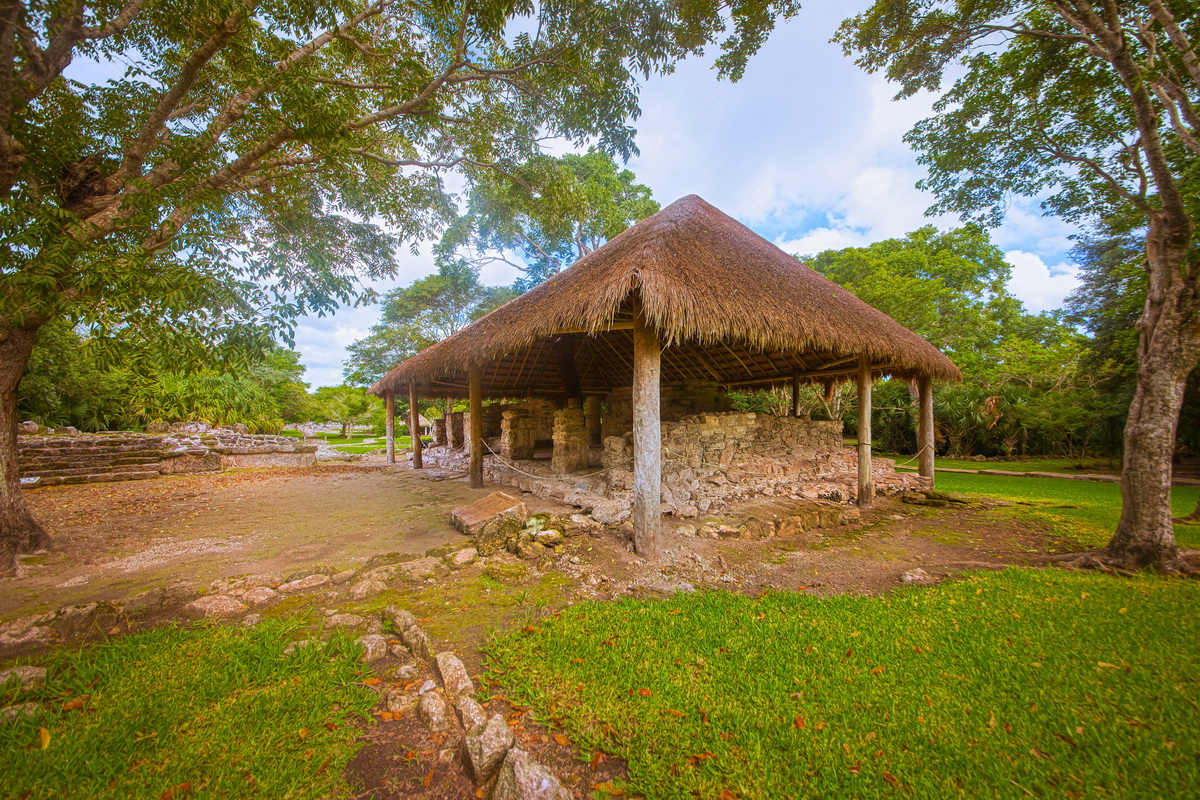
x=1102, y=561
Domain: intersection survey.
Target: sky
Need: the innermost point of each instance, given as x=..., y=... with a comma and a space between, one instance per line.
x=806, y=150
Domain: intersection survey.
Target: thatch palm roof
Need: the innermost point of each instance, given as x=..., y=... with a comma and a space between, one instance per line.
x=728, y=305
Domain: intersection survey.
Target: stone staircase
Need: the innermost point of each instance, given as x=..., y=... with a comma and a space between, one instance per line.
x=57, y=460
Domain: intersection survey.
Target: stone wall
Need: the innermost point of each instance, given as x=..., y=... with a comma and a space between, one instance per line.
x=710, y=461
x=49, y=460
x=677, y=401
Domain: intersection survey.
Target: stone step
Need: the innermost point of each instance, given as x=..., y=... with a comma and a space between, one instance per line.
x=110, y=477
x=57, y=462
x=85, y=470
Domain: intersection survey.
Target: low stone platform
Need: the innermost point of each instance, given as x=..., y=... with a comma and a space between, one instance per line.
x=57, y=459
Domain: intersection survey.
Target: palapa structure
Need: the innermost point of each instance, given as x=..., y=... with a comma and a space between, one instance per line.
x=688, y=294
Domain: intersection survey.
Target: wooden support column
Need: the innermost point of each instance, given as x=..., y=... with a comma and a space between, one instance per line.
x=414, y=425
x=795, y=395
x=866, y=486
x=647, y=436
x=389, y=400
x=475, y=437
x=925, y=451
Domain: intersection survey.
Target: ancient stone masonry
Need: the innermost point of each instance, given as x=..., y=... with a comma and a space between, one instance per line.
x=49, y=460
x=439, y=431
x=710, y=461
x=456, y=430
x=571, y=448
x=516, y=434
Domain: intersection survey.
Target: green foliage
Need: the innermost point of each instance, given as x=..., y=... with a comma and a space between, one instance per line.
x=345, y=405
x=548, y=212
x=415, y=316
x=72, y=380
x=140, y=716
x=239, y=172
x=1039, y=679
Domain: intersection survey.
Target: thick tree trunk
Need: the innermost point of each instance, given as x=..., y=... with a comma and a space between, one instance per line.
x=1167, y=350
x=19, y=531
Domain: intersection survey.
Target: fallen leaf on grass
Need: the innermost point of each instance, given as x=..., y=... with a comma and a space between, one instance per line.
x=73, y=705
x=726, y=795
x=324, y=764
x=877, y=671
x=890, y=778
x=302, y=733
x=44, y=737
x=725, y=737
x=855, y=768
x=799, y=723
x=561, y=740
x=373, y=681
x=696, y=759
x=597, y=760
x=428, y=779
x=1067, y=739
x=331, y=726
x=645, y=693
x=176, y=791
x=675, y=713
x=608, y=789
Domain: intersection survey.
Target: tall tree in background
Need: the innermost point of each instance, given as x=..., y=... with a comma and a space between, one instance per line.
x=1096, y=107
x=231, y=178
x=951, y=287
x=548, y=213
x=415, y=316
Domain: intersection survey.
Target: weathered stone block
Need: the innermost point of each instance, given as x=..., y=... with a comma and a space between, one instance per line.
x=470, y=519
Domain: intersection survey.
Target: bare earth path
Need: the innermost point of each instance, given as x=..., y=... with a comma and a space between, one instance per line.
x=114, y=540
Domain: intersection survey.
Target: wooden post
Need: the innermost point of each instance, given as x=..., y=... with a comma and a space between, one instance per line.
x=389, y=400
x=591, y=412
x=647, y=436
x=925, y=445
x=475, y=437
x=414, y=425
x=795, y=395
x=866, y=486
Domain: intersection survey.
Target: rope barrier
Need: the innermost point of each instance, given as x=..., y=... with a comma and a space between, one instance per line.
x=544, y=477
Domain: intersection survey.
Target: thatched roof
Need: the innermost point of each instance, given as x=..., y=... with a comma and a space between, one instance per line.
x=729, y=306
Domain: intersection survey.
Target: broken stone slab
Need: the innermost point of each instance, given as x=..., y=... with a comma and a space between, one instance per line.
x=213, y=607
x=917, y=575
x=486, y=748
x=346, y=621
x=401, y=618
x=29, y=677
x=396, y=699
x=345, y=576
x=428, y=567
x=522, y=778
x=454, y=675
x=374, y=647
x=30, y=710
x=471, y=518
x=405, y=673
x=496, y=534
x=259, y=595
x=462, y=558
x=548, y=538
x=304, y=584
x=471, y=714
x=365, y=590
x=432, y=709
x=611, y=512
x=418, y=641
x=250, y=620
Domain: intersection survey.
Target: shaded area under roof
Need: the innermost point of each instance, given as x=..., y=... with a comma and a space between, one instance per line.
x=729, y=307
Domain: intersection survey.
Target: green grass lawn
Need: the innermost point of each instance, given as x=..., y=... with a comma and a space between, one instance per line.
x=1070, y=466
x=1014, y=684
x=197, y=712
x=1088, y=510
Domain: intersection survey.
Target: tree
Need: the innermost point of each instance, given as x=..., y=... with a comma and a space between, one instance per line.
x=548, y=213
x=415, y=316
x=345, y=405
x=236, y=174
x=951, y=287
x=1091, y=106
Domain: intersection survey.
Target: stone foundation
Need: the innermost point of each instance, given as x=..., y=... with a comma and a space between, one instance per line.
x=439, y=431
x=710, y=461
x=456, y=429
x=118, y=456
x=571, y=448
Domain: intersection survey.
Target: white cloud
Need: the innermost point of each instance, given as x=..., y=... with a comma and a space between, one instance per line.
x=1040, y=286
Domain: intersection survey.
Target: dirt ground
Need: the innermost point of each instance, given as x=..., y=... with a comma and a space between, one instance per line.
x=112, y=541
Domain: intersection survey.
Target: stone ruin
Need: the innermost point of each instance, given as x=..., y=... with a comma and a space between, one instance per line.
x=582, y=454
x=66, y=456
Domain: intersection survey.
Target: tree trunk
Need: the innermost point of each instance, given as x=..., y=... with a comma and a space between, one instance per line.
x=19, y=531
x=1167, y=348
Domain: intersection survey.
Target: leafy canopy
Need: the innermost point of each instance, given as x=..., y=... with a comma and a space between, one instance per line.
x=549, y=212
x=259, y=156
